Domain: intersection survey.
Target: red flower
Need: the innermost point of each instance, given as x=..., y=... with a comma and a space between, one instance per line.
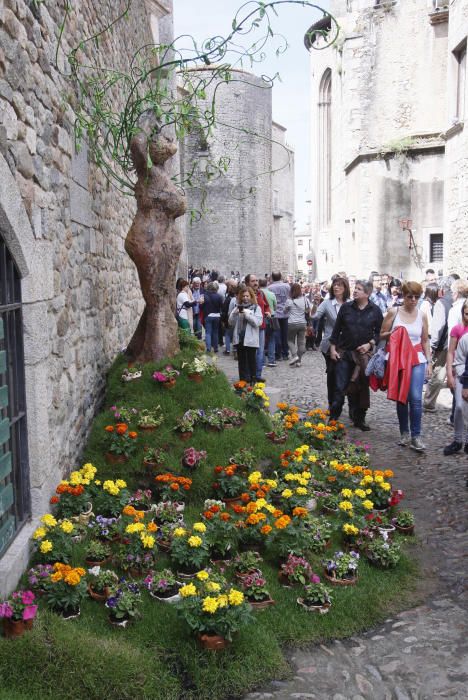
x=54, y=499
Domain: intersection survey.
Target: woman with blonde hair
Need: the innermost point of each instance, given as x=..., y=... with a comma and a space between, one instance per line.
x=415, y=336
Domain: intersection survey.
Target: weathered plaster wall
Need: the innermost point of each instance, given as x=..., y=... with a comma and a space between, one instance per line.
x=282, y=233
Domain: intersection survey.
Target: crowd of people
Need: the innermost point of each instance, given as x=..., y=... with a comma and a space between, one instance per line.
x=381, y=332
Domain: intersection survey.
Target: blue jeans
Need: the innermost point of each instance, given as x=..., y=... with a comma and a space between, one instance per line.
x=260, y=352
x=270, y=344
x=282, y=348
x=414, y=402
x=228, y=339
x=197, y=326
x=211, y=333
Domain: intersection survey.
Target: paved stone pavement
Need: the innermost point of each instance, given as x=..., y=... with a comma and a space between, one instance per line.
x=421, y=653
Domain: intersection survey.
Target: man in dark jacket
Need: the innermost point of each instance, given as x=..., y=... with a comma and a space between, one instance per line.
x=212, y=305
x=356, y=330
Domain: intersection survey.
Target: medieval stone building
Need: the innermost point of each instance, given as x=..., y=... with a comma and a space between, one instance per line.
x=389, y=151
x=69, y=294
x=242, y=217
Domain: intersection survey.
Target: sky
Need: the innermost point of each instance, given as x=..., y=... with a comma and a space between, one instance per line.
x=205, y=18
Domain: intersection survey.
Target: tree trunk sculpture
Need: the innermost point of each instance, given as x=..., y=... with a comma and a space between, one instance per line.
x=154, y=244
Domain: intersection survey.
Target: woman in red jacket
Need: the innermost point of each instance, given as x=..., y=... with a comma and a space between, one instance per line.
x=416, y=325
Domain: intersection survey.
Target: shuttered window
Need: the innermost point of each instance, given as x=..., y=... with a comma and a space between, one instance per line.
x=14, y=470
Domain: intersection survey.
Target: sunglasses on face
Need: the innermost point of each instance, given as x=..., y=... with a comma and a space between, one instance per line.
x=413, y=296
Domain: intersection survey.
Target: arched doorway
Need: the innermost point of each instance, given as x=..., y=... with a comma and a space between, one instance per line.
x=15, y=506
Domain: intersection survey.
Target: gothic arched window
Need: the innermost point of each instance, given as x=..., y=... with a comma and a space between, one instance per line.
x=324, y=149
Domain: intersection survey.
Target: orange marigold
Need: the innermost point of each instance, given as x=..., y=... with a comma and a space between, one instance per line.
x=174, y=487
x=225, y=517
x=300, y=512
x=109, y=428
x=266, y=529
x=54, y=499
x=132, y=434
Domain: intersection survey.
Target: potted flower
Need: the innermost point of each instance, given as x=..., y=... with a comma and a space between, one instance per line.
x=141, y=500
x=122, y=443
x=71, y=501
x=136, y=555
x=295, y=570
x=404, y=522
x=163, y=585
x=255, y=397
x=105, y=529
x=256, y=591
x=222, y=533
x=278, y=433
x=150, y=419
x=189, y=549
x=229, y=484
x=38, y=576
x=65, y=589
x=166, y=377
x=54, y=539
x=329, y=502
x=185, y=425
x=232, y=417
x=316, y=597
x=192, y=457
x=129, y=374
x=200, y=367
x=383, y=553
x=100, y=582
x=123, y=603
x=245, y=458
x=342, y=568
x=110, y=497
x=213, y=609
x=154, y=457
x=173, y=488
x=246, y=564
x=166, y=513
x=18, y=613
x=320, y=531
x=122, y=414
x=97, y=553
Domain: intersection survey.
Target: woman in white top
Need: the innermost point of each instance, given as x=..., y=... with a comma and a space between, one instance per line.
x=415, y=322
x=184, y=304
x=296, y=307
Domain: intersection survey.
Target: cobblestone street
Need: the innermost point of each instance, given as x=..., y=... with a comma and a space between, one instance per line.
x=421, y=653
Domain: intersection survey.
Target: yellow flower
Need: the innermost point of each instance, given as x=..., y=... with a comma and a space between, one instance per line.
x=347, y=493
x=66, y=526
x=307, y=424
x=361, y=493
x=199, y=527
x=346, y=506
x=179, y=532
x=270, y=508
x=350, y=529
x=72, y=578
x=223, y=600
x=254, y=477
x=213, y=586
x=202, y=575
x=46, y=546
x=120, y=483
x=287, y=493
x=368, y=504
x=385, y=486
x=195, y=541
x=148, y=541
x=48, y=520
x=97, y=482
x=210, y=605
x=301, y=491
x=57, y=576
x=134, y=527
x=39, y=533
x=188, y=590
x=261, y=503
x=272, y=483
x=312, y=458
x=235, y=597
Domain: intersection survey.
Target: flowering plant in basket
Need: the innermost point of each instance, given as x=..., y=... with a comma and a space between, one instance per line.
x=164, y=375
x=255, y=587
x=229, y=482
x=244, y=457
x=103, y=528
x=122, y=441
x=201, y=365
x=377, y=483
x=172, y=487
x=187, y=422
x=73, y=494
x=150, y=418
x=221, y=532
x=246, y=562
x=20, y=605
x=162, y=584
x=141, y=499
x=124, y=601
x=166, y=512
x=316, y=594
x=66, y=587
x=189, y=548
x=102, y=579
x=192, y=457
x=213, y=606
x=404, y=519
x=122, y=414
x=343, y=565
x=297, y=570
x=53, y=539
x=231, y=416
x=255, y=397
x=383, y=552
x=97, y=551
x=154, y=456
x=38, y=575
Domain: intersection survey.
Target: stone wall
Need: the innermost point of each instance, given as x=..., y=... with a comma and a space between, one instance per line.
x=65, y=226
x=386, y=150
x=234, y=232
x=282, y=232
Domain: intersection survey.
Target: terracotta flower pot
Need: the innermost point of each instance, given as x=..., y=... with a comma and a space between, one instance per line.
x=285, y=581
x=195, y=377
x=147, y=428
x=100, y=597
x=14, y=628
x=213, y=642
x=97, y=562
x=185, y=435
x=112, y=458
x=170, y=384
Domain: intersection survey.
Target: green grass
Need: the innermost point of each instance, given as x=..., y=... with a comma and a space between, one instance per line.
x=157, y=658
